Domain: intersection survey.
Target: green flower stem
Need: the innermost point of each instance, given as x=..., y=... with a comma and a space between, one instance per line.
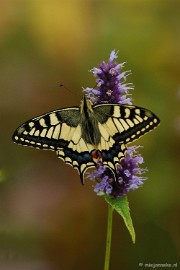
x=108, y=237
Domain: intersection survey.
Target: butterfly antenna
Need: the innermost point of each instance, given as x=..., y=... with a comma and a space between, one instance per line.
x=62, y=85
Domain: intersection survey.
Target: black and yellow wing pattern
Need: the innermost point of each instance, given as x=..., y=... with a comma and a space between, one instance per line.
x=81, y=135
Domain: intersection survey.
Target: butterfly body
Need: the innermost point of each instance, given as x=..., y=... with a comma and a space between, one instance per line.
x=83, y=135
x=89, y=123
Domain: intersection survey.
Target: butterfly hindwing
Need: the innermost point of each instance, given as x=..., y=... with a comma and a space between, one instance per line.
x=78, y=155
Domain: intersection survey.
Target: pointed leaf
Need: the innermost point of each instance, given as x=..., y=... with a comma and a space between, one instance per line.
x=121, y=205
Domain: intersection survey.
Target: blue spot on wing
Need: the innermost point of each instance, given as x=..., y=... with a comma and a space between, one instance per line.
x=108, y=155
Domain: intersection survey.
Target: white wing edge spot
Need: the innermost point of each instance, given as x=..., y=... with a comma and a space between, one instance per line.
x=123, y=147
x=155, y=120
x=137, y=111
x=68, y=160
x=116, y=159
x=75, y=163
x=61, y=153
x=111, y=165
x=120, y=154
x=42, y=123
x=31, y=124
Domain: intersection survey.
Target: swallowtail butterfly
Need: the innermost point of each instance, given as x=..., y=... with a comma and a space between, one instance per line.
x=82, y=135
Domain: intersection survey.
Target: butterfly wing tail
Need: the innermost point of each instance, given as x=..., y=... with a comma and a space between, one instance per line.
x=79, y=161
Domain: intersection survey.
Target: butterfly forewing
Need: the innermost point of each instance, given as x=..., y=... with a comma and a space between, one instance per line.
x=48, y=131
x=125, y=123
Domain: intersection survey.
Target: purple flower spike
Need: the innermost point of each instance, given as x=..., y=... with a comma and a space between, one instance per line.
x=111, y=83
x=112, y=88
x=128, y=175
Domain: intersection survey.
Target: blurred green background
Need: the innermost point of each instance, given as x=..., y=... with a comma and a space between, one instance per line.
x=48, y=220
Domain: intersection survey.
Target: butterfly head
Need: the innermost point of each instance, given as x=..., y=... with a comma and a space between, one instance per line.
x=86, y=105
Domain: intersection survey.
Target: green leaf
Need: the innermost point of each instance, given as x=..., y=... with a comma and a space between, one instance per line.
x=121, y=205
